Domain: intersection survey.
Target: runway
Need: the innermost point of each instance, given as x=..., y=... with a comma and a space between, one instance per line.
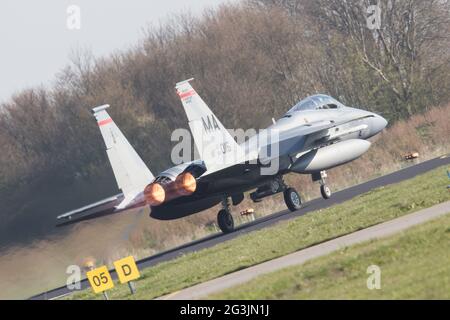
x=264, y=222
x=378, y=231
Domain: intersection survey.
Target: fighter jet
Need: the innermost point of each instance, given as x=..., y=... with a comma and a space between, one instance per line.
x=317, y=134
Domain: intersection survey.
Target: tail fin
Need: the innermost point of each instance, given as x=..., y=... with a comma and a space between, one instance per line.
x=216, y=146
x=131, y=173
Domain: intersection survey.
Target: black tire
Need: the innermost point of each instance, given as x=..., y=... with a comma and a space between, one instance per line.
x=325, y=191
x=225, y=221
x=292, y=199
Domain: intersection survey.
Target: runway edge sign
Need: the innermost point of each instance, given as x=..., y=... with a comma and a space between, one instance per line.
x=100, y=279
x=126, y=269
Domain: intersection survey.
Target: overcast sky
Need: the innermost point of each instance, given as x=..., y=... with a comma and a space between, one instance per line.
x=36, y=41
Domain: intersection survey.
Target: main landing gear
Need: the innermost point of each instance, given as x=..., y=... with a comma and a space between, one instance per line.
x=224, y=217
x=277, y=185
x=324, y=188
x=292, y=199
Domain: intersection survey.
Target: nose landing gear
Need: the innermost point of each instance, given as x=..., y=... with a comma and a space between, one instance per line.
x=325, y=191
x=324, y=188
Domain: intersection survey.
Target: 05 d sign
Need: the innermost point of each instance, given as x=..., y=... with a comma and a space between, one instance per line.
x=100, y=279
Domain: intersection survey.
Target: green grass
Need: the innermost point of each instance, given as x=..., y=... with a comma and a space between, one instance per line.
x=374, y=207
x=414, y=264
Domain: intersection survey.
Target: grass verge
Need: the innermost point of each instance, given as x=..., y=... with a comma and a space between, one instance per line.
x=414, y=264
x=374, y=207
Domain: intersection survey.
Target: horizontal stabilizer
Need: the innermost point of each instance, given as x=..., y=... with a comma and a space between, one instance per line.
x=92, y=211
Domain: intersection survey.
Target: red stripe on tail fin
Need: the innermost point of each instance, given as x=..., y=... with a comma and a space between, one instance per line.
x=105, y=122
x=185, y=95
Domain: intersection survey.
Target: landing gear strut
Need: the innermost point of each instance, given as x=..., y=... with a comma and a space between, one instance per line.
x=277, y=185
x=224, y=217
x=324, y=188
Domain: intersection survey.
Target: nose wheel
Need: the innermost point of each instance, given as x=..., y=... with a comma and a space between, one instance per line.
x=224, y=218
x=325, y=191
x=324, y=188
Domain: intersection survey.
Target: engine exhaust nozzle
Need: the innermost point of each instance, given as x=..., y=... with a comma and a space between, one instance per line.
x=154, y=194
x=184, y=185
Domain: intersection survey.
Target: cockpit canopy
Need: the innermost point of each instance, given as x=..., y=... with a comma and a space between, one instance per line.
x=316, y=102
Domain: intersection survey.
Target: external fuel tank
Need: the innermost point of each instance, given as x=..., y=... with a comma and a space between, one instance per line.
x=330, y=156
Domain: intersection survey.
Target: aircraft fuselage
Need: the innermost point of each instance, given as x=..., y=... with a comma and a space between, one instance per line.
x=304, y=154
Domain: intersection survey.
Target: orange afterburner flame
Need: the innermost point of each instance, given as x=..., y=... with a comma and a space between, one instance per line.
x=184, y=185
x=154, y=194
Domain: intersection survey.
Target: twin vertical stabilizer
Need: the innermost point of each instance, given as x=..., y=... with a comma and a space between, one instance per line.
x=216, y=146
x=131, y=173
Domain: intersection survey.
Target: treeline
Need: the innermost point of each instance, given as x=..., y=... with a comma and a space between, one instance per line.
x=251, y=61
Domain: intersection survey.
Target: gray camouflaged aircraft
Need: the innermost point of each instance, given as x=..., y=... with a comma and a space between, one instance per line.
x=317, y=134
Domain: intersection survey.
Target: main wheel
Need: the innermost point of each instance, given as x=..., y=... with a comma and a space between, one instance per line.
x=225, y=221
x=292, y=199
x=325, y=191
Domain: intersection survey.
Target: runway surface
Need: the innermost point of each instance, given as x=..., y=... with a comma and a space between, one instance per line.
x=266, y=221
x=378, y=231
